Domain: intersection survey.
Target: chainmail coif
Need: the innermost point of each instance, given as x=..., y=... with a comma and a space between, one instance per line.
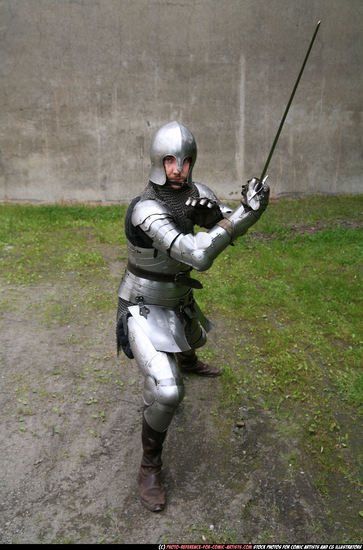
x=174, y=200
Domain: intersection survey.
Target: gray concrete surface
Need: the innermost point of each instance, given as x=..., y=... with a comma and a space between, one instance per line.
x=84, y=84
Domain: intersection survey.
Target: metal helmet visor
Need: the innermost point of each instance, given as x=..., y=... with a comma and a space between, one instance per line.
x=172, y=139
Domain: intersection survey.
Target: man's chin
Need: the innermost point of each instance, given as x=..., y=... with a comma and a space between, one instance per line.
x=176, y=184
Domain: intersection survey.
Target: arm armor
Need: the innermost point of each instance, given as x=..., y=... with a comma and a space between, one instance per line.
x=199, y=250
x=157, y=222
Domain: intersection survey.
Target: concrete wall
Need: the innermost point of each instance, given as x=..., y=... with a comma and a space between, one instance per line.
x=85, y=83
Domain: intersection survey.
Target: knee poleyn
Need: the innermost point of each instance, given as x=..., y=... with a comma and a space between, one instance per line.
x=169, y=395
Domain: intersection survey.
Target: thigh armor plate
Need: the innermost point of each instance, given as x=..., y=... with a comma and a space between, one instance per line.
x=172, y=329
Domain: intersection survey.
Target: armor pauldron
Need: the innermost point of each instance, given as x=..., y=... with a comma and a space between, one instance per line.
x=156, y=221
x=149, y=208
x=150, y=220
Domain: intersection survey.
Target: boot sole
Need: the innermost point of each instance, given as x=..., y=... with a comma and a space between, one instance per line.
x=156, y=508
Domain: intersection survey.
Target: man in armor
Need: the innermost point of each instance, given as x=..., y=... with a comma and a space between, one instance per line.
x=158, y=321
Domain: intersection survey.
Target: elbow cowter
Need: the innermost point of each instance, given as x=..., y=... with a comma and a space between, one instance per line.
x=200, y=250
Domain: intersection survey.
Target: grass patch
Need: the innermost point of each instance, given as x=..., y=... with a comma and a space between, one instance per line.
x=44, y=242
x=290, y=294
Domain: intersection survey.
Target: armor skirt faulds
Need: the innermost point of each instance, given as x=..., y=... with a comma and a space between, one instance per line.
x=170, y=329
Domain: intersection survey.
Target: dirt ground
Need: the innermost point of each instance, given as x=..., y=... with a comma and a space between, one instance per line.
x=70, y=444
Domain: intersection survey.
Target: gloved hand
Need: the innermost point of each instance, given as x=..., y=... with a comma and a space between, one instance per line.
x=203, y=212
x=255, y=195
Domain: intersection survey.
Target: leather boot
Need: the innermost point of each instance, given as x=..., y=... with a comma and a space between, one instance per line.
x=151, y=491
x=188, y=362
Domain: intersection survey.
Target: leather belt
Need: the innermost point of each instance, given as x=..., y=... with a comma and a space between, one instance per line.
x=179, y=278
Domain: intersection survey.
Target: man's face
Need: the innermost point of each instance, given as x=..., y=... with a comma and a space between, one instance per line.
x=175, y=176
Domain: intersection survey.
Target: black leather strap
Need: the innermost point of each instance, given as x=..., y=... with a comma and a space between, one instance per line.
x=179, y=278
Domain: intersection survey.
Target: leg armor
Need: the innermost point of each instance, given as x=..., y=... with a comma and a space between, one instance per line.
x=164, y=388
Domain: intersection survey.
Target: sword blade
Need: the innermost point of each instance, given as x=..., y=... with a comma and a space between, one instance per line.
x=288, y=105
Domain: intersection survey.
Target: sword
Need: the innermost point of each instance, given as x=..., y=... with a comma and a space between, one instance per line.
x=263, y=177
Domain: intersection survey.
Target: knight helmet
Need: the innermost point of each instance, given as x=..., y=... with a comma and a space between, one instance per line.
x=172, y=139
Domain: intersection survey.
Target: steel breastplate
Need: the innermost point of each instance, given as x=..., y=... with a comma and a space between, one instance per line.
x=155, y=261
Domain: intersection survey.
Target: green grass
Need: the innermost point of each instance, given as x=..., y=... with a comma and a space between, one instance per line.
x=288, y=293
x=295, y=297
x=39, y=242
